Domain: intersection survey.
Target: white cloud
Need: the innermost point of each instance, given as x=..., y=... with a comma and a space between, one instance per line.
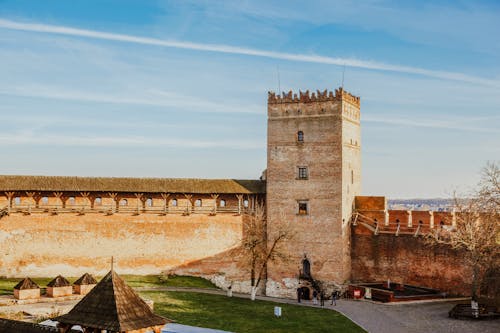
x=228, y=49
x=154, y=98
x=28, y=138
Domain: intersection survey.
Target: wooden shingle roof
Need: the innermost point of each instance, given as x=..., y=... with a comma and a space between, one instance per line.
x=142, y=185
x=114, y=306
x=26, y=283
x=59, y=281
x=85, y=279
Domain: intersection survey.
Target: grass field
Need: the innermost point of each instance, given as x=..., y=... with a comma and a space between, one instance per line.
x=7, y=285
x=242, y=315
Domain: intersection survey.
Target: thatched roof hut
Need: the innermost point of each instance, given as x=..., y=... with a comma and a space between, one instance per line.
x=84, y=284
x=59, y=281
x=26, y=283
x=85, y=279
x=59, y=287
x=121, y=184
x=26, y=289
x=113, y=306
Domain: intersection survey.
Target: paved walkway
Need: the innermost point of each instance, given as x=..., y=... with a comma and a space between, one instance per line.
x=373, y=317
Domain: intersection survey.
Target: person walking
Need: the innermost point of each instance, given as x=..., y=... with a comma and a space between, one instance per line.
x=322, y=298
x=334, y=297
x=299, y=294
x=315, y=297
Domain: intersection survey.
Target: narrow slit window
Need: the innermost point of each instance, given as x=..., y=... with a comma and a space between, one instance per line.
x=300, y=136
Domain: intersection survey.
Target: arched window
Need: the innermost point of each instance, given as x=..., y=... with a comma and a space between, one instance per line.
x=98, y=201
x=245, y=203
x=17, y=200
x=45, y=200
x=306, y=268
x=300, y=136
x=149, y=202
x=123, y=202
x=174, y=202
x=71, y=201
x=197, y=203
x=222, y=203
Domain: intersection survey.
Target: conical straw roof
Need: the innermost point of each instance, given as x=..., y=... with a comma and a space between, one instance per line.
x=26, y=283
x=114, y=306
x=59, y=281
x=85, y=279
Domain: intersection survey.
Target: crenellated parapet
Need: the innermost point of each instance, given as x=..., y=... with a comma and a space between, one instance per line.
x=309, y=97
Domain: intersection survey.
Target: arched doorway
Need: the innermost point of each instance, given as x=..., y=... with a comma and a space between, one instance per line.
x=305, y=293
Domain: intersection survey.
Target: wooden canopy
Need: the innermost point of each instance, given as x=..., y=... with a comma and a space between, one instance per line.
x=113, y=306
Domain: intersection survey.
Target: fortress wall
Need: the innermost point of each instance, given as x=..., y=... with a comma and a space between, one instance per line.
x=408, y=260
x=70, y=244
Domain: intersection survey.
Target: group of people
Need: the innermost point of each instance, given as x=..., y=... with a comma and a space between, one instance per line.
x=321, y=296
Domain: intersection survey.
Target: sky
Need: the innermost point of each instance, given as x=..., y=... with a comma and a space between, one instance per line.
x=179, y=88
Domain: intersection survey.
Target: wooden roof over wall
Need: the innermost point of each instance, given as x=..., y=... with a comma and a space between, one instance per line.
x=141, y=185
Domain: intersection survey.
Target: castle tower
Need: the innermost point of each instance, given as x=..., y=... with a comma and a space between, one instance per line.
x=313, y=175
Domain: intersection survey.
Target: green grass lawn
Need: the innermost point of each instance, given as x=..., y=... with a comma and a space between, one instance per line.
x=243, y=315
x=7, y=285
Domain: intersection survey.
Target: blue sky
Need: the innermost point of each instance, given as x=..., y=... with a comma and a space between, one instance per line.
x=179, y=88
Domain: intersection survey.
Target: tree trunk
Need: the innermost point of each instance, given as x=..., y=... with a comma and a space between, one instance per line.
x=253, y=292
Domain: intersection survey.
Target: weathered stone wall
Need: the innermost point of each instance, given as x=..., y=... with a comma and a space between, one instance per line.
x=70, y=244
x=407, y=259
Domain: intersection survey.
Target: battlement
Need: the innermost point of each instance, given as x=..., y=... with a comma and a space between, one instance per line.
x=319, y=96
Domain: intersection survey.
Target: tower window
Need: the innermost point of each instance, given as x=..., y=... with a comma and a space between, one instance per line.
x=300, y=136
x=352, y=176
x=303, y=207
x=302, y=173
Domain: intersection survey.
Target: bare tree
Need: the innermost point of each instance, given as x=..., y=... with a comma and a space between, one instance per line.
x=260, y=247
x=477, y=227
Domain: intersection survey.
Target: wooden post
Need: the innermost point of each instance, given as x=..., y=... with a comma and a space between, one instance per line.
x=386, y=219
x=214, y=197
x=165, y=202
x=240, y=199
x=85, y=195
x=114, y=204
x=139, y=200
x=410, y=220
x=454, y=218
x=59, y=195
x=431, y=219
x=189, y=205
x=9, y=196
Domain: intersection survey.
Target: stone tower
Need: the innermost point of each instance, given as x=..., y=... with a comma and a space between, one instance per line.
x=313, y=175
